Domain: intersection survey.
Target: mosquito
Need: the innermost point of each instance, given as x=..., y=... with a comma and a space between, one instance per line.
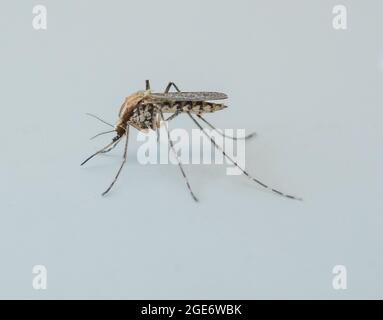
x=144, y=110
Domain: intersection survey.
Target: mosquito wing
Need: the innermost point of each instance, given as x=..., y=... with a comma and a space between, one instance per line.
x=189, y=96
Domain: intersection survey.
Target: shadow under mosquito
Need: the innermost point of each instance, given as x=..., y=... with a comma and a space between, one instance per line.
x=202, y=177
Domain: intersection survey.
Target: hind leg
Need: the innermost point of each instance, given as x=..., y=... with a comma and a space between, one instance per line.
x=171, y=84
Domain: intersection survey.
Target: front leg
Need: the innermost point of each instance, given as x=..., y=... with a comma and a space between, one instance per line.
x=158, y=122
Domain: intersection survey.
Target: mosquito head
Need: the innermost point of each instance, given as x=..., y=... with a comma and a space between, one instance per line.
x=120, y=128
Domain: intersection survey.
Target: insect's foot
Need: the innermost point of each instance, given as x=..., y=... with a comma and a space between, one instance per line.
x=194, y=198
x=295, y=198
x=251, y=135
x=107, y=190
x=288, y=196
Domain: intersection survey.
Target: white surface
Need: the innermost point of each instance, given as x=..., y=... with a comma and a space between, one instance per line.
x=313, y=95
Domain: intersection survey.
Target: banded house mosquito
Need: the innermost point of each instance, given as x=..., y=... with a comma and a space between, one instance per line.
x=144, y=110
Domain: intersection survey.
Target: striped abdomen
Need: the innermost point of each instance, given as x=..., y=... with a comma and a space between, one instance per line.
x=146, y=115
x=197, y=107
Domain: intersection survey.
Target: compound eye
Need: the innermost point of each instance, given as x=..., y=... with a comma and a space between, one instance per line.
x=116, y=138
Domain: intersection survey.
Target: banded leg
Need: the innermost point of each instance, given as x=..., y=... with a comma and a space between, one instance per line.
x=123, y=161
x=168, y=119
x=102, y=133
x=178, y=160
x=177, y=113
x=157, y=125
x=115, y=140
x=112, y=147
x=222, y=134
x=158, y=134
x=243, y=171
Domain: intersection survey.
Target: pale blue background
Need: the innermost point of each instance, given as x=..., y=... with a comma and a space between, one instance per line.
x=313, y=94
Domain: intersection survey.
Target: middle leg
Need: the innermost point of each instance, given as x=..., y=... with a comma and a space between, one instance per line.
x=178, y=160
